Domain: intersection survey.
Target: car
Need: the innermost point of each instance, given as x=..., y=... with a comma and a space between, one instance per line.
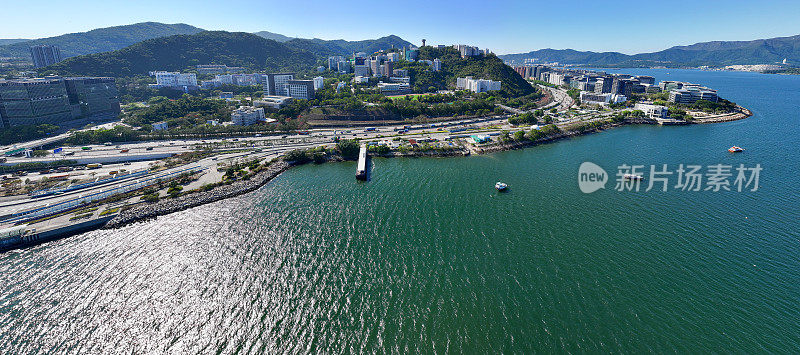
x=149, y=148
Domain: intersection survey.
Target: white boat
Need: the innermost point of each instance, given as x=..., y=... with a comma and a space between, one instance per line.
x=632, y=177
x=500, y=186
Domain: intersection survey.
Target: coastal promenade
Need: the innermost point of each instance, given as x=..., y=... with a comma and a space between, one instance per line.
x=726, y=117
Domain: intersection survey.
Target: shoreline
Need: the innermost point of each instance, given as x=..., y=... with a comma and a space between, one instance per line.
x=238, y=188
x=165, y=207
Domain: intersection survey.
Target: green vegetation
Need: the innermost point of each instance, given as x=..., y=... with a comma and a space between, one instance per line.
x=533, y=135
x=188, y=110
x=297, y=156
x=36, y=166
x=109, y=211
x=575, y=94
x=150, y=198
x=411, y=106
x=181, y=52
x=341, y=47
x=453, y=66
x=523, y=119
x=526, y=102
x=379, y=149
x=544, y=83
x=174, y=190
x=96, y=136
x=348, y=149
x=25, y=133
x=101, y=39
x=81, y=216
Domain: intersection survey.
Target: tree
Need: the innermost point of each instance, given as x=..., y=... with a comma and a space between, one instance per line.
x=348, y=149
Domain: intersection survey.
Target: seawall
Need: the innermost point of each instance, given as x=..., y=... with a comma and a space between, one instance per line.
x=198, y=198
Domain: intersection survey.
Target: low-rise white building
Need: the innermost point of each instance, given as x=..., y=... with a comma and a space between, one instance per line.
x=652, y=111
x=273, y=101
x=595, y=99
x=358, y=79
x=174, y=80
x=385, y=87
x=247, y=115
x=477, y=85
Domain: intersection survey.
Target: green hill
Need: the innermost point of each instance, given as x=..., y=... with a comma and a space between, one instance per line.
x=342, y=47
x=5, y=41
x=100, y=40
x=482, y=67
x=273, y=36
x=185, y=51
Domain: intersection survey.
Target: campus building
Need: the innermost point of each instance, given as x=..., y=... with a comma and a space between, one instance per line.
x=174, y=80
x=44, y=55
x=477, y=85
x=55, y=100
x=247, y=115
x=300, y=89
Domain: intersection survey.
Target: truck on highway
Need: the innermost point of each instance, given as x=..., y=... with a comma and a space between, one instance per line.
x=369, y=129
x=86, y=148
x=94, y=166
x=124, y=150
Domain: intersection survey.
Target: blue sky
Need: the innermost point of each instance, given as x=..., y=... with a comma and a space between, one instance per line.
x=502, y=26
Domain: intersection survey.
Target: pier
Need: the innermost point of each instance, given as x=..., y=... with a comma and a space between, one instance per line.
x=361, y=170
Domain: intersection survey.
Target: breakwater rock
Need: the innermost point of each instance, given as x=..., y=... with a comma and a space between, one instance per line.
x=168, y=206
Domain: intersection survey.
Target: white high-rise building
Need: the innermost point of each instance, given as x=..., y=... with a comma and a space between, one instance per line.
x=319, y=82
x=333, y=62
x=437, y=64
x=275, y=84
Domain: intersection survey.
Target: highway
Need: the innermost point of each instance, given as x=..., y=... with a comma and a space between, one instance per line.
x=561, y=101
x=238, y=149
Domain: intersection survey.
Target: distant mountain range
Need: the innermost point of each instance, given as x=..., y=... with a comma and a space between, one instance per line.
x=184, y=51
x=717, y=53
x=4, y=41
x=100, y=40
x=113, y=38
x=342, y=47
x=273, y=36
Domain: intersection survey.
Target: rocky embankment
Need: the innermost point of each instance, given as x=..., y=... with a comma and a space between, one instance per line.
x=742, y=113
x=199, y=198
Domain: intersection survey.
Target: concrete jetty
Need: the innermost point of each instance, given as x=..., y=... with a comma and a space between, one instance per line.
x=361, y=170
